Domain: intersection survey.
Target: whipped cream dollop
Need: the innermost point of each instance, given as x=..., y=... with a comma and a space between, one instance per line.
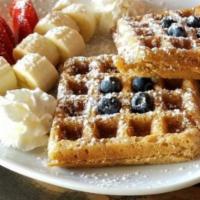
x=25, y=118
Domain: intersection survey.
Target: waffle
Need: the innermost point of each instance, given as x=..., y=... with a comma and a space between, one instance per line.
x=146, y=49
x=82, y=137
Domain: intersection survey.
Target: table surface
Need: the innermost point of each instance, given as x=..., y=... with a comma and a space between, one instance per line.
x=17, y=187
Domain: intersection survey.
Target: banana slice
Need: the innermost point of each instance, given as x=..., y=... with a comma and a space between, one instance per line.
x=68, y=41
x=8, y=80
x=35, y=43
x=106, y=21
x=61, y=4
x=84, y=17
x=55, y=19
x=34, y=70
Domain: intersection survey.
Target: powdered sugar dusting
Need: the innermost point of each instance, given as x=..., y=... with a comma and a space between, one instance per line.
x=136, y=38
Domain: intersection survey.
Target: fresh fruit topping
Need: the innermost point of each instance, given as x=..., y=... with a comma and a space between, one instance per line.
x=177, y=31
x=24, y=18
x=167, y=22
x=8, y=80
x=35, y=43
x=36, y=71
x=22, y=29
x=193, y=21
x=7, y=42
x=53, y=20
x=109, y=105
x=110, y=84
x=8, y=31
x=68, y=41
x=84, y=17
x=141, y=84
x=141, y=103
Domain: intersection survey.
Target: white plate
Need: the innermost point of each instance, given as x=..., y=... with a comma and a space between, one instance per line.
x=135, y=180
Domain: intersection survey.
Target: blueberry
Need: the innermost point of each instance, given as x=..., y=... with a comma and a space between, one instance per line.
x=109, y=105
x=141, y=84
x=141, y=103
x=110, y=84
x=193, y=21
x=176, y=31
x=167, y=22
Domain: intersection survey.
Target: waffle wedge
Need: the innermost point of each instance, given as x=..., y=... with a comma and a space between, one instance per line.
x=147, y=46
x=82, y=137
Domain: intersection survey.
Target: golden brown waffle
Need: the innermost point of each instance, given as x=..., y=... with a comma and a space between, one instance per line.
x=147, y=50
x=80, y=136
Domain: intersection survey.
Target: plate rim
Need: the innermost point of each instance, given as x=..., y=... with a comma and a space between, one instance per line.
x=70, y=184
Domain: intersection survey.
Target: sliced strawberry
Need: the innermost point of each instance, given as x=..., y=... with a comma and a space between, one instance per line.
x=26, y=8
x=8, y=31
x=31, y=15
x=22, y=28
x=12, y=4
x=6, y=46
x=24, y=16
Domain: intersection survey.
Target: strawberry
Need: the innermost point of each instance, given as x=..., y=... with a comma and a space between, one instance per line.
x=22, y=29
x=6, y=46
x=8, y=31
x=24, y=17
x=12, y=4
